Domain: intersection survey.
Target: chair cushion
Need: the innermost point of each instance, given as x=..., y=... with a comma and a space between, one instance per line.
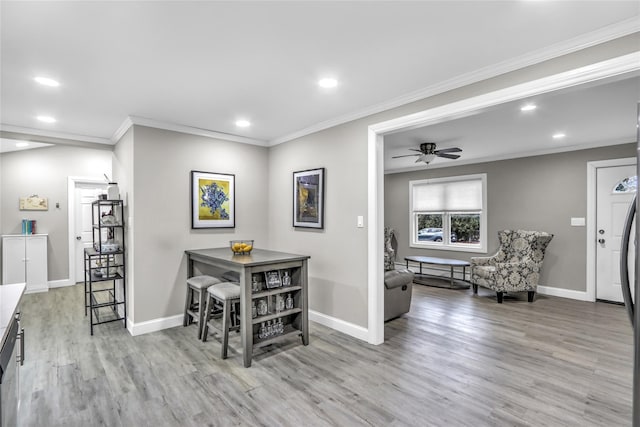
x=225, y=291
x=397, y=278
x=202, y=282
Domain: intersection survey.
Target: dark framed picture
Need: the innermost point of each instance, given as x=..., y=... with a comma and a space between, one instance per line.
x=212, y=200
x=308, y=198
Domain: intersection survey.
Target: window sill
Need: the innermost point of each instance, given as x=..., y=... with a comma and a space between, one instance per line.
x=450, y=248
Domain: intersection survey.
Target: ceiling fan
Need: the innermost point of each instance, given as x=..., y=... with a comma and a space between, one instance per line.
x=428, y=152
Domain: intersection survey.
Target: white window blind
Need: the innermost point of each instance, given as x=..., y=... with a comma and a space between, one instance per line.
x=445, y=196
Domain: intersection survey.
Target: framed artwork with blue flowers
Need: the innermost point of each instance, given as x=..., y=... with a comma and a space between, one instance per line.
x=212, y=200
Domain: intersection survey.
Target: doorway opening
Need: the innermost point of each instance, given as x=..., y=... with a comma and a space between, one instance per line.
x=82, y=191
x=375, y=171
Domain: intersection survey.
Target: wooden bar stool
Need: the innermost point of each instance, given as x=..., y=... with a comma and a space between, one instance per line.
x=227, y=294
x=195, y=304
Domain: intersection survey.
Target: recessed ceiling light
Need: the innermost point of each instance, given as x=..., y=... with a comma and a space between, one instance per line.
x=558, y=135
x=528, y=107
x=46, y=81
x=327, y=82
x=22, y=144
x=243, y=123
x=46, y=119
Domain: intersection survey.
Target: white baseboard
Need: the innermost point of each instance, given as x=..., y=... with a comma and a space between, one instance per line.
x=340, y=325
x=34, y=289
x=60, y=283
x=154, y=325
x=563, y=293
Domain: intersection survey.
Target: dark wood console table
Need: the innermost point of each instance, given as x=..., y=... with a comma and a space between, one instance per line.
x=296, y=319
x=451, y=263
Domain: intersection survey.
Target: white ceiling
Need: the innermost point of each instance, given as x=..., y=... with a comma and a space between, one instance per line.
x=206, y=64
x=593, y=115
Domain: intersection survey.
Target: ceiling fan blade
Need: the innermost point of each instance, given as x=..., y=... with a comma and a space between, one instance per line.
x=448, y=156
x=406, y=155
x=415, y=149
x=449, y=150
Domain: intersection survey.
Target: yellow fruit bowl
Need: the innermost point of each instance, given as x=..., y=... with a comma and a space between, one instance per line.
x=241, y=247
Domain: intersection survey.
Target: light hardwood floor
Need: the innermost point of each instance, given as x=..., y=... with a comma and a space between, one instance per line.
x=454, y=360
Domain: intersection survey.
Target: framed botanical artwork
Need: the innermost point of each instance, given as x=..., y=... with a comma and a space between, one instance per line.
x=308, y=198
x=212, y=200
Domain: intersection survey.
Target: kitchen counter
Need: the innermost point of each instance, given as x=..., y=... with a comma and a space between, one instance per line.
x=10, y=296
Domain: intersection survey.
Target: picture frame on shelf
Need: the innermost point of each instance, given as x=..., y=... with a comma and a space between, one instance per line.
x=273, y=279
x=212, y=200
x=308, y=198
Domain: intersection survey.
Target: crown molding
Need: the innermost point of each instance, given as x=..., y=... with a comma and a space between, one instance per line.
x=122, y=129
x=175, y=127
x=605, y=34
x=612, y=67
x=51, y=136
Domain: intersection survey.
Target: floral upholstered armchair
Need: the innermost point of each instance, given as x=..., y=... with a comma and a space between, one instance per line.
x=398, y=283
x=515, y=267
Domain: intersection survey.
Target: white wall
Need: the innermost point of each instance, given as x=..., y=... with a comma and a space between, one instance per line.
x=44, y=171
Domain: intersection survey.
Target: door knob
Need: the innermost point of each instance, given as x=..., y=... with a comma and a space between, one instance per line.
x=601, y=241
x=78, y=237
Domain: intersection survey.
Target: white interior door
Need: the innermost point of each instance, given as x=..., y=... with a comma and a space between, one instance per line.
x=85, y=195
x=613, y=199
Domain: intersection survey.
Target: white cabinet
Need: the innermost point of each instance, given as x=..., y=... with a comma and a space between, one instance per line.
x=24, y=260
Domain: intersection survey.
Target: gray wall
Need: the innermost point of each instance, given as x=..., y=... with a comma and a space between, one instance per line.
x=44, y=171
x=162, y=162
x=337, y=268
x=534, y=193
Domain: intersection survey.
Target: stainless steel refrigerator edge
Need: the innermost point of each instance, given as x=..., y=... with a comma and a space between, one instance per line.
x=634, y=314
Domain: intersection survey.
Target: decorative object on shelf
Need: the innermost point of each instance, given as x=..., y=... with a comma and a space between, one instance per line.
x=255, y=283
x=289, y=302
x=308, y=198
x=212, y=200
x=28, y=226
x=34, y=203
x=254, y=310
x=113, y=192
x=273, y=279
x=279, y=303
x=241, y=247
x=263, y=309
x=286, y=279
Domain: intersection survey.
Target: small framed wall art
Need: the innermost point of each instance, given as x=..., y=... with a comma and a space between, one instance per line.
x=212, y=200
x=308, y=198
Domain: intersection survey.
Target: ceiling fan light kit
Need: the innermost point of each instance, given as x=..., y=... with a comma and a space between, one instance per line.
x=428, y=152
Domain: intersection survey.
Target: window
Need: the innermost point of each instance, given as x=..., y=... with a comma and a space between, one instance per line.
x=627, y=185
x=449, y=213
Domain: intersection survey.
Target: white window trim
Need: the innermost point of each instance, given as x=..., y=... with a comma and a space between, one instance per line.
x=452, y=247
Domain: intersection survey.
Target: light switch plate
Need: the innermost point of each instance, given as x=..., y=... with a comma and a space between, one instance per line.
x=360, y=221
x=577, y=222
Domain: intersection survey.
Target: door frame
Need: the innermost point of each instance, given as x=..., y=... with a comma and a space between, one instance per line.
x=375, y=158
x=592, y=170
x=72, y=182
